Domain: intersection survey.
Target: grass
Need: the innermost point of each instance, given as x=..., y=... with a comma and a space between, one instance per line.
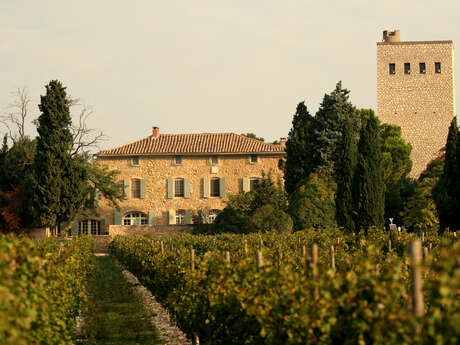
x=114, y=314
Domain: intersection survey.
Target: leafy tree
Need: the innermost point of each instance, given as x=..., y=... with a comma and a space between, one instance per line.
x=346, y=165
x=61, y=188
x=299, y=151
x=329, y=119
x=11, y=209
x=253, y=136
x=420, y=212
x=17, y=164
x=267, y=218
x=312, y=205
x=447, y=190
x=396, y=165
x=369, y=188
x=231, y=220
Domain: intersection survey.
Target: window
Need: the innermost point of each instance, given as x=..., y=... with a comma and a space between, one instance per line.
x=135, y=218
x=215, y=187
x=87, y=226
x=179, y=187
x=178, y=160
x=136, y=188
x=135, y=160
x=253, y=182
x=422, y=68
x=406, y=68
x=212, y=216
x=392, y=68
x=437, y=67
x=180, y=217
x=254, y=159
x=214, y=160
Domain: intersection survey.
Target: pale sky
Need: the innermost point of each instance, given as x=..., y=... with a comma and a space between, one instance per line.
x=205, y=65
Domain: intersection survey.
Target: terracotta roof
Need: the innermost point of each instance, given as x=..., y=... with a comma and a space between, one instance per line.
x=193, y=144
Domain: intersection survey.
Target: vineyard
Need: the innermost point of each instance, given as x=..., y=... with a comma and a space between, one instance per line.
x=304, y=288
x=41, y=289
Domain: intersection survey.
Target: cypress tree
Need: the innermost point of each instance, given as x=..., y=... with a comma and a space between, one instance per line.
x=346, y=164
x=60, y=188
x=329, y=119
x=447, y=191
x=299, y=159
x=369, y=187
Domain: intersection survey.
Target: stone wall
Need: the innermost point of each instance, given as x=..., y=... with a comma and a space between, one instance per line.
x=157, y=169
x=156, y=230
x=423, y=105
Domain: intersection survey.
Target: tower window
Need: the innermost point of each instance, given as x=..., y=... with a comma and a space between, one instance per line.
x=437, y=67
x=422, y=68
x=392, y=67
x=406, y=68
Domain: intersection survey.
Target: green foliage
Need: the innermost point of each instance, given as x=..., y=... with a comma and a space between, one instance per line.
x=242, y=207
x=267, y=218
x=447, y=191
x=253, y=136
x=369, y=187
x=346, y=165
x=239, y=303
x=329, y=120
x=299, y=150
x=60, y=188
x=312, y=204
x=41, y=289
x=420, y=212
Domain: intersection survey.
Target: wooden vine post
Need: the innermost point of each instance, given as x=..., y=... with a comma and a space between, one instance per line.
x=333, y=258
x=260, y=259
x=303, y=252
x=227, y=256
x=162, y=248
x=261, y=243
x=314, y=263
x=417, y=282
x=192, y=260
x=389, y=246
x=245, y=247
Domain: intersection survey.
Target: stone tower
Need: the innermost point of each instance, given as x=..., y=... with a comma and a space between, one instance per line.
x=416, y=91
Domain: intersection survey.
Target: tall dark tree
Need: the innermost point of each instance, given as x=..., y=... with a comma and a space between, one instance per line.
x=447, y=191
x=329, y=120
x=368, y=185
x=60, y=180
x=299, y=154
x=346, y=164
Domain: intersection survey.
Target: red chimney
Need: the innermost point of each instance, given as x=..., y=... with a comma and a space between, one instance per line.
x=283, y=142
x=156, y=132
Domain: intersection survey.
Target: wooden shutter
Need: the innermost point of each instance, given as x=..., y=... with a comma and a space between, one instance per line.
x=172, y=217
x=246, y=185
x=170, y=186
x=143, y=188
x=74, y=229
x=152, y=219
x=126, y=188
x=186, y=188
x=117, y=218
x=188, y=216
x=205, y=187
x=222, y=187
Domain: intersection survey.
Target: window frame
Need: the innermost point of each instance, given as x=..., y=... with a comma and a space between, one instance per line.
x=130, y=216
x=135, y=192
x=422, y=68
x=89, y=227
x=211, y=160
x=392, y=68
x=406, y=67
x=177, y=160
x=212, y=215
x=436, y=69
x=180, y=217
x=256, y=156
x=253, y=182
x=135, y=161
x=212, y=190
x=179, y=182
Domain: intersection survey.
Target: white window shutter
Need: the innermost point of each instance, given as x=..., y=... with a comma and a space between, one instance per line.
x=172, y=217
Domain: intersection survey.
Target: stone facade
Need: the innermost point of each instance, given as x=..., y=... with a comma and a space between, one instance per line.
x=422, y=104
x=157, y=171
